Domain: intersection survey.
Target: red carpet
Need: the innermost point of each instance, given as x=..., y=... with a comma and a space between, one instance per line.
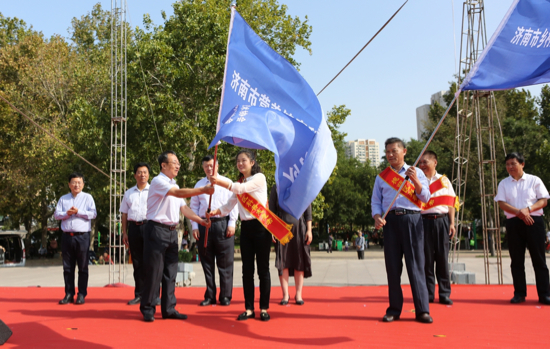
x=332, y=316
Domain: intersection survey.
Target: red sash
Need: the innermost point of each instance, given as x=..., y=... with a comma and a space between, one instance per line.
x=443, y=200
x=275, y=225
x=394, y=180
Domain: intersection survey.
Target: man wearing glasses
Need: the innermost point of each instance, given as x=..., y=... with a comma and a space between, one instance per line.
x=160, y=250
x=75, y=210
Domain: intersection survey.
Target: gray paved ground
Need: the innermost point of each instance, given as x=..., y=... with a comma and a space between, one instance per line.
x=336, y=269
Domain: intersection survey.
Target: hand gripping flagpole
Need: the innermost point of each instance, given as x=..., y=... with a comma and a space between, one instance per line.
x=422, y=152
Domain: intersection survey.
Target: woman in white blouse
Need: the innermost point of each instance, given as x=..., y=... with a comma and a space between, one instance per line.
x=255, y=239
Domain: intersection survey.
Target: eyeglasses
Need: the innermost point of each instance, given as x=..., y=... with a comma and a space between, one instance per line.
x=177, y=164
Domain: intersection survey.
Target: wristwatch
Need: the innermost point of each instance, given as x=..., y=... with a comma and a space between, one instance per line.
x=529, y=207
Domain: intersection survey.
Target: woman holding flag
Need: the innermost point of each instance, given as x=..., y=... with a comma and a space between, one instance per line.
x=250, y=191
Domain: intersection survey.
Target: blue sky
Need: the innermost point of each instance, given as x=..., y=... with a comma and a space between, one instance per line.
x=410, y=60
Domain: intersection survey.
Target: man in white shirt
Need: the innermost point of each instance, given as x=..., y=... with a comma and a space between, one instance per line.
x=438, y=220
x=221, y=237
x=522, y=197
x=134, y=217
x=75, y=211
x=160, y=252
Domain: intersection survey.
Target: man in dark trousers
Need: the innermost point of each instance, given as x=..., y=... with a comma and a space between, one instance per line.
x=160, y=252
x=403, y=230
x=134, y=217
x=522, y=197
x=438, y=218
x=75, y=211
x=220, y=248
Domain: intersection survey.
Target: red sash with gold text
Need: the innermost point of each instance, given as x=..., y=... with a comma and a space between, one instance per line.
x=275, y=225
x=443, y=200
x=394, y=180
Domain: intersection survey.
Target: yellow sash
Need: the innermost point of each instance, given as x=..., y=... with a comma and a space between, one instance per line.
x=275, y=225
x=394, y=180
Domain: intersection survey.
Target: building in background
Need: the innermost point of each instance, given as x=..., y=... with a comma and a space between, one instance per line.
x=363, y=150
x=422, y=112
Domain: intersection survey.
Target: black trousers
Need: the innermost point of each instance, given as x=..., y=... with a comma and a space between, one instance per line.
x=220, y=250
x=360, y=254
x=520, y=236
x=255, y=243
x=436, y=251
x=404, y=235
x=75, y=251
x=135, y=240
x=160, y=263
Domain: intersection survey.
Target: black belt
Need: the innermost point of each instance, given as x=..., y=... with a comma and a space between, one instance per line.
x=216, y=219
x=402, y=211
x=138, y=223
x=433, y=216
x=170, y=227
x=73, y=233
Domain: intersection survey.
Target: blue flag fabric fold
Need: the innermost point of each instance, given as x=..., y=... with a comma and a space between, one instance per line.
x=267, y=104
x=518, y=53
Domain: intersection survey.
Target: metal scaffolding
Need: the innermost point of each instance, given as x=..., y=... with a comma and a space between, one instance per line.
x=119, y=34
x=479, y=106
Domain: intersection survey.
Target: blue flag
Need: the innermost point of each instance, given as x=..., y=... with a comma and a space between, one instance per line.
x=518, y=54
x=267, y=104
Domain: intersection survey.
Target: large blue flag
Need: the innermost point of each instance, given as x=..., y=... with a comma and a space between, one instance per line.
x=267, y=104
x=518, y=53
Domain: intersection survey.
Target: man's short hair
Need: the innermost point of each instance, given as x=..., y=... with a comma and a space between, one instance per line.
x=163, y=158
x=141, y=164
x=519, y=157
x=207, y=158
x=430, y=154
x=75, y=175
x=393, y=140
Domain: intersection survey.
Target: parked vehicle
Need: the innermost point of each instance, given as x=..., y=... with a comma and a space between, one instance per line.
x=12, y=248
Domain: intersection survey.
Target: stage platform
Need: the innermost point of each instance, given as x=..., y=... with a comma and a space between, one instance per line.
x=481, y=317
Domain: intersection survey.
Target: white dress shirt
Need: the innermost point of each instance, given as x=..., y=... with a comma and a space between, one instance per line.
x=134, y=203
x=256, y=186
x=80, y=222
x=522, y=193
x=163, y=208
x=199, y=203
x=445, y=191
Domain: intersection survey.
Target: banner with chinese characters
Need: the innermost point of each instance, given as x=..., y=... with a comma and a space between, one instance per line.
x=267, y=104
x=394, y=180
x=275, y=225
x=518, y=53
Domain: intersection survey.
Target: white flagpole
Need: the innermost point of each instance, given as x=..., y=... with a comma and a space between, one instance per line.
x=422, y=152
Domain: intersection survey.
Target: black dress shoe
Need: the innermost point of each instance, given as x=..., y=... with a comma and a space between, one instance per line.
x=390, y=318
x=206, y=302
x=299, y=302
x=517, y=299
x=425, y=318
x=68, y=299
x=148, y=318
x=445, y=300
x=176, y=316
x=245, y=316
x=264, y=316
x=135, y=301
x=544, y=300
x=157, y=302
x=284, y=302
x=225, y=301
x=79, y=299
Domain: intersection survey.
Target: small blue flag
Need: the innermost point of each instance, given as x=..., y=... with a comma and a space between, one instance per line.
x=267, y=104
x=518, y=54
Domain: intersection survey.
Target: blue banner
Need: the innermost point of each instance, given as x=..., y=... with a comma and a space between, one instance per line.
x=267, y=104
x=518, y=54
